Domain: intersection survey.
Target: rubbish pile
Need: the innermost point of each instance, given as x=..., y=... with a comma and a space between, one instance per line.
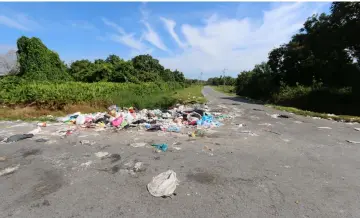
x=171, y=120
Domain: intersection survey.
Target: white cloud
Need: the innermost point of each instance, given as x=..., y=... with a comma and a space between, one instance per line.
x=235, y=44
x=170, y=27
x=19, y=21
x=122, y=37
x=151, y=36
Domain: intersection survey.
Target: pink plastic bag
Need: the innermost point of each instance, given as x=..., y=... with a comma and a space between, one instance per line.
x=117, y=121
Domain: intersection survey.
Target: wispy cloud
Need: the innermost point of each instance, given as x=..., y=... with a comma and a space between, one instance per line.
x=150, y=35
x=170, y=27
x=235, y=44
x=122, y=37
x=19, y=21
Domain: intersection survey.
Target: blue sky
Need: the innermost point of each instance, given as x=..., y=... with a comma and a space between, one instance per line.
x=191, y=37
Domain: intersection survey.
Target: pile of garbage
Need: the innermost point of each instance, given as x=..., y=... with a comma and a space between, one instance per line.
x=171, y=120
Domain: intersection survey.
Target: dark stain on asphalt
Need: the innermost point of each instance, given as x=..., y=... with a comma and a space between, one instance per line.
x=31, y=152
x=50, y=181
x=115, y=169
x=283, y=116
x=202, y=177
x=115, y=157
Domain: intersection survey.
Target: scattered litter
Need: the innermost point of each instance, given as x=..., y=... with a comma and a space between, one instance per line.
x=198, y=133
x=275, y=116
x=43, y=124
x=137, y=166
x=171, y=120
x=138, y=144
x=177, y=148
x=353, y=142
x=3, y=159
x=163, y=185
x=101, y=154
x=87, y=142
x=9, y=170
x=241, y=125
x=357, y=129
x=161, y=147
x=35, y=131
x=18, y=137
x=86, y=164
x=316, y=118
x=298, y=122
x=287, y=166
x=279, y=116
x=324, y=127
x=332, y=115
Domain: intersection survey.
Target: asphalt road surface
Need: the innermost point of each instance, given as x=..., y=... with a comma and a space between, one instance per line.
x=253, y=166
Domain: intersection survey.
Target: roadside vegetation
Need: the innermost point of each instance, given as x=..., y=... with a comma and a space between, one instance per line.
x=38, y=83
x=318, y=70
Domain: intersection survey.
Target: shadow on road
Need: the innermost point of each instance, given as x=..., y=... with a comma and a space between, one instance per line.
x=243, y=100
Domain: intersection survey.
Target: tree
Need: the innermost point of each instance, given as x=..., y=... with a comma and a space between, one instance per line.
x=37, y=62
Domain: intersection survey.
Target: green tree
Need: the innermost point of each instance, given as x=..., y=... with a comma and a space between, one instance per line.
x=37, y=62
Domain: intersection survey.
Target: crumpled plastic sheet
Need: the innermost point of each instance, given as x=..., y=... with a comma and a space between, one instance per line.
x=163, y=184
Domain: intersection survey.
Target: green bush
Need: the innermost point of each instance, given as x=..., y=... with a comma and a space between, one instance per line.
x=37, y=62
x=52, y=94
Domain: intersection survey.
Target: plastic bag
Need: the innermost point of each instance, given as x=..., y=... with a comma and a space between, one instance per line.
x=116, y=122
x=163, y=184
x=80, y=120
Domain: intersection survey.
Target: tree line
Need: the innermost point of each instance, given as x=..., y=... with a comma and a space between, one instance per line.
x=324, y=53
x=318, y=69
x=35, y=62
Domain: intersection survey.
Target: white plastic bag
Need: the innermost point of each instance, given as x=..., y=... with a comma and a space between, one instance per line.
x=80, y=120
x=163, y=184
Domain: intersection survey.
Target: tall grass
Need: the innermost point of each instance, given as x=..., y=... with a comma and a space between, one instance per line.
x=57, y=95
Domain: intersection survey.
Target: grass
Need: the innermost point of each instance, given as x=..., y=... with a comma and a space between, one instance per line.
x=187, y=95
x=344, y=118
x=190, y=95
x=229, y=90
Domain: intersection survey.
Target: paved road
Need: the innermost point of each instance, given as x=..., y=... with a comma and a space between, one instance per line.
x=270, y=167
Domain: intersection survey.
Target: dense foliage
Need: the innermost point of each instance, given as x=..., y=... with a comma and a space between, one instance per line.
x=317, y=69
x=37, y=63
x=217, y=81
x=58, y=94
x=43, y=80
